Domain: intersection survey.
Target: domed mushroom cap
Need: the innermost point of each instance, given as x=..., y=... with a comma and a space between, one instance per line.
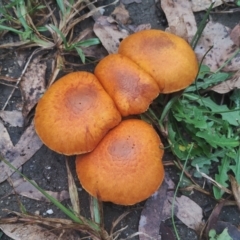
x=74, y=114
x=131, y=88
x=126, y=166
x=168, y=58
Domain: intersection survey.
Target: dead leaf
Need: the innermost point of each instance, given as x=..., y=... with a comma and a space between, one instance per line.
x=26, y=189
x=166, y=232
x=142, y=27
x=73, y=192
x=120, y=14
x=181, y=20
x=159, y=206
x=20, y=231
x=213, y=218
x=218, y=36
x=235, y=35
x=229, y=85
x=13, y=118
x=189, y=212
x=235, y=189
x=17, y=155
x=130, y=1
x=200, y=5
x=109, y=34
x=233, y=231
x=33, y=85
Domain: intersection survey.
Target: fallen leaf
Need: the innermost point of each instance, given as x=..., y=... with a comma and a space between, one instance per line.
x=189, y=212
x=130, y=1
x=159, y=206
x=235, y=35
x=166, y=232
x=235, y=189
x=26, y=189
x=233, y=231
x=217, y=36
x=73, y=192
x=120, y=14
x=109, y=34
x=17, y=155
x=33, y=85
x=229, y=85
x=181, y=20
x=13, y=118
x=20, y=231
x=200, y=5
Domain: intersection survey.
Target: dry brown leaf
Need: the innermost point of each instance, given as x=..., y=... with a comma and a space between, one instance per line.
x=13, y=118
x=33, y=85
x=235, y=189
x=229, y=85
x=120, y=14
x=109, y=34
x=73, y=192
x=218, y=36
x=235, y=35
x=181, y=20
x=17, y=155
x=20, y=231
x=26, y=189
x=200, y=5
x=158, y=208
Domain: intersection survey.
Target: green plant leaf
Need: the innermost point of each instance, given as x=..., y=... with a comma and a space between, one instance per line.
x=217, y=140
x=80, y=53
x=222, y=176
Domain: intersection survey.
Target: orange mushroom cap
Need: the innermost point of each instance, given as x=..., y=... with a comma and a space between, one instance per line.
x=126, y=167
x=130, y=87
x=168, y=58
x=75, y=114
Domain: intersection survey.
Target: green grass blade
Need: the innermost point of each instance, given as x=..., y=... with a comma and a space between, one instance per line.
x=201, y=27
x=6, y=28
x=87, y=43
x=61, y=5
x=81, y=54
x=74, y=218
x=61, y=35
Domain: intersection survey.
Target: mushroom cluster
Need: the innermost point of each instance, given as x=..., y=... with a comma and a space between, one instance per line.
x=81, y=114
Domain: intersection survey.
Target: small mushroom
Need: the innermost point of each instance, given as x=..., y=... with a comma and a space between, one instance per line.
x=168, y=58
x=126, y=167
x=75, y=114
x=131, y=88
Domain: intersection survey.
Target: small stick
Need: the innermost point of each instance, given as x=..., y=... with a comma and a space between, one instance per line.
x=19, y=79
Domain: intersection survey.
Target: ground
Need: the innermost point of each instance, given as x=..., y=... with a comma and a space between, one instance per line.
x=48, y=168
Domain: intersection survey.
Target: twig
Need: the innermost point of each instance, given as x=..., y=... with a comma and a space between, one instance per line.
x=20, y=78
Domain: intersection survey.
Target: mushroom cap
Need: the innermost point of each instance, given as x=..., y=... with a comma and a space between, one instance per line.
x=126, y=167
x=74, y=114
x=130, y=87
x=168, y=58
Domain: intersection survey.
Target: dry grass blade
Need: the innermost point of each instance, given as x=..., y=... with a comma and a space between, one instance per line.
x=116, y=222
x=72, y=189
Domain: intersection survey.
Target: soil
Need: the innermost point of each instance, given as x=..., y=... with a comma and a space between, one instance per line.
x=48, y=168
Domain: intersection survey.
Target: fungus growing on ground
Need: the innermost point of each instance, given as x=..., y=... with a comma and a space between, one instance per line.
x=131, y=88
x=168, y=58
x=75, y=114
x=126, y=167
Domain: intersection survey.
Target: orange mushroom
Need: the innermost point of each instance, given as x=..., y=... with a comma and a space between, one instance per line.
x=166, y=57
x=75, y=114
x=126, y=166
x=131, y=88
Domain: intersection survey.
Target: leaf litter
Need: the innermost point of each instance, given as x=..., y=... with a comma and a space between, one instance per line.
x=158, y=208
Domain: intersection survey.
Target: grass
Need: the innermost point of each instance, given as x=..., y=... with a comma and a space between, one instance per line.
x=46, y=26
